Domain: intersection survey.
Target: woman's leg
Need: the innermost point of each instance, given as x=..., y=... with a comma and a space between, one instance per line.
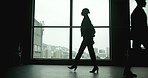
x=92, y=54
x=93, y=58
x=80, y=52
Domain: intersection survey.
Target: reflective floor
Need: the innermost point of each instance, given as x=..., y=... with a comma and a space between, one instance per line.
x=61, y=71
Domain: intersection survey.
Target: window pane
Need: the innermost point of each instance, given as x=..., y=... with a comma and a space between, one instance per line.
x=101, y=45
x=133, y=5
x=37, y=42
x=53, y=12
x=99, y=11
x=52, y=43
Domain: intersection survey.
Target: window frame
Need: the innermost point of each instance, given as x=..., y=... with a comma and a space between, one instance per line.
x=70, y=27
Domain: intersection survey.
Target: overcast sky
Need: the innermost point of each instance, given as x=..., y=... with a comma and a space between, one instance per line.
x=57, y=13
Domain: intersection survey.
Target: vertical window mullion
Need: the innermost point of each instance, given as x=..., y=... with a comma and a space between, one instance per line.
x=70, y=42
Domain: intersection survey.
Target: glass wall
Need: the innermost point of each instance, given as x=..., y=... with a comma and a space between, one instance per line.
x=101, y=45
x=53, y=12
x=57, y=28
x=99, y=11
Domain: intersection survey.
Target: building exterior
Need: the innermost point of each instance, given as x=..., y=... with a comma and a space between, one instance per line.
x=37, y=44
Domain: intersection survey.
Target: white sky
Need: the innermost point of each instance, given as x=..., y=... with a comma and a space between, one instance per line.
x=57, y=13
x=53, y=12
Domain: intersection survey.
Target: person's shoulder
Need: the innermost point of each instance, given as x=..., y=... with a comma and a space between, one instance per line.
x=136, y=11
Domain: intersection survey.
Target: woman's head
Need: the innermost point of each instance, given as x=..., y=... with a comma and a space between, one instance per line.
x=85, y=11
x=141, y=3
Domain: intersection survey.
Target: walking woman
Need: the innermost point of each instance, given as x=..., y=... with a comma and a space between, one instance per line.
x=88, y=33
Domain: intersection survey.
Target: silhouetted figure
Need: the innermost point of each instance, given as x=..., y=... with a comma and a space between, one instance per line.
x=87, y=32
x=139, y=26
x=139, y=33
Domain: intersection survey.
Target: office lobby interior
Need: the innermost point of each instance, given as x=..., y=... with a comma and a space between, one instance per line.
x=44, y=37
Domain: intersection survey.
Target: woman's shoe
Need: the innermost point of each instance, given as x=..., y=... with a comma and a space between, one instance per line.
x=94, y=69
x=73, y=67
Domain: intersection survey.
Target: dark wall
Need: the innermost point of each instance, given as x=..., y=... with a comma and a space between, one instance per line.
x=16, y=29
x=119, y=29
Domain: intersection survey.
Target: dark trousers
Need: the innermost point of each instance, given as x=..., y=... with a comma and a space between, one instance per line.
x=135, y=51
x=84, y=44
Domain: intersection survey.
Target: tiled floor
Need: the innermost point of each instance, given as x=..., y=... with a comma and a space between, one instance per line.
x=61, y=71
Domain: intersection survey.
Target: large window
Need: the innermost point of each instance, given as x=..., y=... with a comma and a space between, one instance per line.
x=101, y=45
x=57, y=28
x=99, y=11
x=53, y=12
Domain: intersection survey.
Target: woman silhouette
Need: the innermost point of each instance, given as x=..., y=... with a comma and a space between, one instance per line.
x=139, y=31
x=87, y=32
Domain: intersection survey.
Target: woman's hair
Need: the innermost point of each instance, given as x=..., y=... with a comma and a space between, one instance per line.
x=140, y=1
x=85, y=11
